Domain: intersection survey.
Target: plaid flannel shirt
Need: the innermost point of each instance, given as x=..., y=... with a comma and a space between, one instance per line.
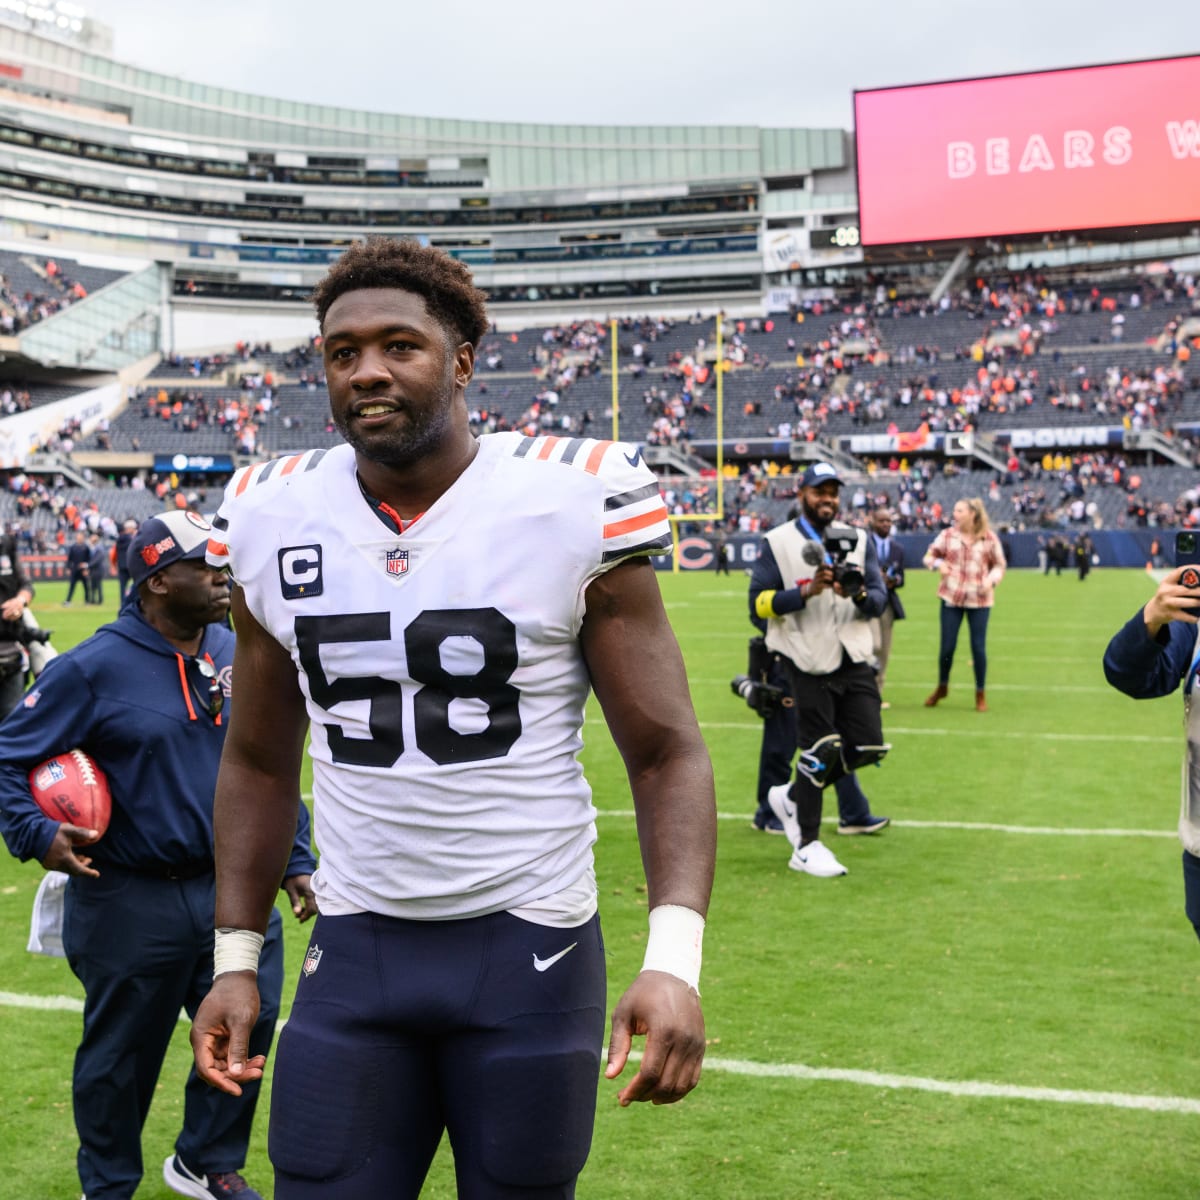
x=970, y=568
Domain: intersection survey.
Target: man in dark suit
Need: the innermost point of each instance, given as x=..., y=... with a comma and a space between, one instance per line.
x=128, y=529
x=97, y=570
x=891, y=564
x=78, y=555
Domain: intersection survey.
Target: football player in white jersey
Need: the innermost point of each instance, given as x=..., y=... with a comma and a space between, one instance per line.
x=436, y=607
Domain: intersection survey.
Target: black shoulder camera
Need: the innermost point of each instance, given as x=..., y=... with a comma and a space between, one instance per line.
x=840, y=542
x=761, y=696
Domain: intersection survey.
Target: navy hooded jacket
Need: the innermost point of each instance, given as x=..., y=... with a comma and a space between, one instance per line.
x=137, y=706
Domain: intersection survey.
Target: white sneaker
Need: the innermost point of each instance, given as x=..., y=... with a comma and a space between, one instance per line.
x=785, y=810
x=816, y=859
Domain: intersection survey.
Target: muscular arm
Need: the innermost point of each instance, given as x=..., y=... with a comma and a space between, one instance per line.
x=255, y=809
x=254, y=826
x=638, y=677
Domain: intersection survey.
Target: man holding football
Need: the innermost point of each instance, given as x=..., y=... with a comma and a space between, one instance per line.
x=436, y=607
x=148, y=698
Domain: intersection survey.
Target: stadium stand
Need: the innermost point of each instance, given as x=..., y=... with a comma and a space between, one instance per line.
x=32, y=289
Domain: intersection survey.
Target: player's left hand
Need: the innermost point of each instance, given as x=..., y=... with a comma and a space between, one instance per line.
x=667, y=1012
x=221, y=1033
x=300, y=893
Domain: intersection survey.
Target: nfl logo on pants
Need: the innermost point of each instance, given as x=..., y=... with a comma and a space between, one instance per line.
x=397, y=562
x=312, y=960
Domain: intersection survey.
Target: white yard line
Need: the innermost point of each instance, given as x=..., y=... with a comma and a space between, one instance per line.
x=968, y=1088
x=980, y=732
x=966, y=826
x=971, y=1089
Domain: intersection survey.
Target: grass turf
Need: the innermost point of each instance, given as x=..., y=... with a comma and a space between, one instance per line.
x=958, y=950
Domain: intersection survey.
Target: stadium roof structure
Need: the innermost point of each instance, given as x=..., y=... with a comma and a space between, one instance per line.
x=251, y=196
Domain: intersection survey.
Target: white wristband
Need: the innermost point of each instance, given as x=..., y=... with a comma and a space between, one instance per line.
x=676, y=943
x=236, y=950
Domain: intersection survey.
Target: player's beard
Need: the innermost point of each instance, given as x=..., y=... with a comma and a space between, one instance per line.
x=423, y=431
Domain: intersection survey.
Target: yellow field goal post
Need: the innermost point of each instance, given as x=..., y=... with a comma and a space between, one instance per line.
x=717, y=514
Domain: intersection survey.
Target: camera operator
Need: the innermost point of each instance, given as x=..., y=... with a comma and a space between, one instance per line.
x=816, y=586
x=1150, y=656
x=15, y=594
x=764, y=688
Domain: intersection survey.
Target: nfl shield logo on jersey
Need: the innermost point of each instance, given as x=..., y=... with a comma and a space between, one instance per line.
x=312, y=960
x=397, y=562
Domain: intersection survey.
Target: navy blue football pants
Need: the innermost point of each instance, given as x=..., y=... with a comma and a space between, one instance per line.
x=489, y=1029
x=142, y=948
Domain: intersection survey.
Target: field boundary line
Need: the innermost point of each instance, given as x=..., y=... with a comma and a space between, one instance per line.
x=979, y=732
x=966, y=826
x=969, y=1089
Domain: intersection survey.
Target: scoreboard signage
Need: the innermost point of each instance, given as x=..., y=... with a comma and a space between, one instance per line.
x=1085, y=148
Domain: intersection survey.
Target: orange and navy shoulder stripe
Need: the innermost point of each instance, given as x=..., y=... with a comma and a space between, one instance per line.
x=650, y=517
x=635, y=520
x=278, y=468
x=565, y=450
x=218, y=550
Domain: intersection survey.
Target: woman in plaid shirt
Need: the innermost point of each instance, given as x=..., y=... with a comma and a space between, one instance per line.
x=969, y=556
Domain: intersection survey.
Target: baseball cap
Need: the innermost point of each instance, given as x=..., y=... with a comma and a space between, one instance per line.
x=164, y=539
x=819, y=473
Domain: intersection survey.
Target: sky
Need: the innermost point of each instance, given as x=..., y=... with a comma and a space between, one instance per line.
x=640, y=62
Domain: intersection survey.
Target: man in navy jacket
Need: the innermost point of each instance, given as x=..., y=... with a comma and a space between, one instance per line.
x=1151, y=655
x=148, y=697
x=890, y=554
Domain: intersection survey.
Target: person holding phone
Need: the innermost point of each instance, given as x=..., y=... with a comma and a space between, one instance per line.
x=1151, y=655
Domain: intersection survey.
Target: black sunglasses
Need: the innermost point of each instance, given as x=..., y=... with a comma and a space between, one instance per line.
x=214, y=698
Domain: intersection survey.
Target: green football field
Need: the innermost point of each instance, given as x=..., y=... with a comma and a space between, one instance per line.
x=994, y=1002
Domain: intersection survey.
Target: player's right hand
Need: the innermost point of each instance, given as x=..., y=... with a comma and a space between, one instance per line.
x=62, y=857
x=221, y=1033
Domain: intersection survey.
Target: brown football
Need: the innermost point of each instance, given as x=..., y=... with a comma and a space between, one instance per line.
x=70, y=787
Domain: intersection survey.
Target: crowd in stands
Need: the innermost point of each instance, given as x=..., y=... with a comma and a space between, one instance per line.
x=47, y=289
x=1091, y=489
x=1019, y=351
x=14, y=400
x=44, y=512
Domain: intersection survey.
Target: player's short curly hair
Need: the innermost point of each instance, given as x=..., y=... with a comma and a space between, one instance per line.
x=443, y=282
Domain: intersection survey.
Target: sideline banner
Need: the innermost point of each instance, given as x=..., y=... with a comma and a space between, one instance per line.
x=1114, y=547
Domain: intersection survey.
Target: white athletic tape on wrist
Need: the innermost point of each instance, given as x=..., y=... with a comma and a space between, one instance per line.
x=236, y=950
x=676, y=943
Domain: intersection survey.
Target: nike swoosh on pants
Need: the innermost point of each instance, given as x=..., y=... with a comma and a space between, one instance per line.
x=544, y=964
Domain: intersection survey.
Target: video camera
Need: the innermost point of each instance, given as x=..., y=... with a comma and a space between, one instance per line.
x=840, y=542
x=761, y=696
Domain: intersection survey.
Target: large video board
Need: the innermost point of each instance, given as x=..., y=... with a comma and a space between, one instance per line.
x=1084, y=148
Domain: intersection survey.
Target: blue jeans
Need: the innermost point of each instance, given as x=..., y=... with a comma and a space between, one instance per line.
x=977, y=623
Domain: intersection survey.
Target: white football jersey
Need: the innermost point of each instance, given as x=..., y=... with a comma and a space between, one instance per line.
x=441, y=667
